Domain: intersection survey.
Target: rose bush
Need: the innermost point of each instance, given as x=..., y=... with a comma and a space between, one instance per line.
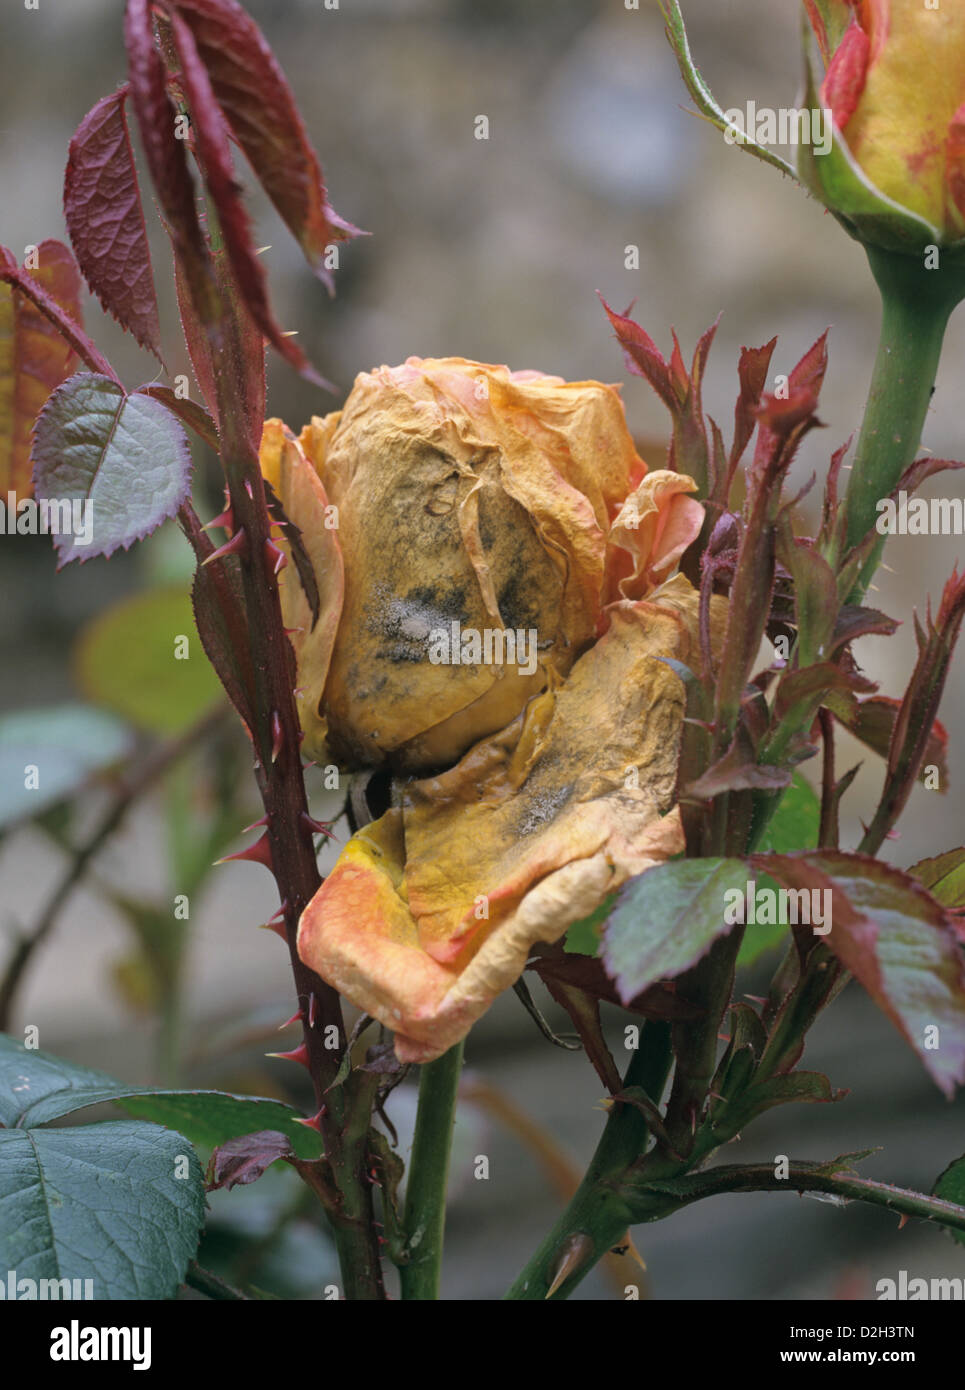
x=449, y=493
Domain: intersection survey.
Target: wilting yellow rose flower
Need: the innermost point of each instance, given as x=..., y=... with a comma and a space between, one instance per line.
x=895, y=83
x=474, y=506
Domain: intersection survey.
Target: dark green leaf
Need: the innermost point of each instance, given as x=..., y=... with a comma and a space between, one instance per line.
x=951, y=1187
x=583, y=937
x=101, y=1202
x=36, y=1087
x=794, y=827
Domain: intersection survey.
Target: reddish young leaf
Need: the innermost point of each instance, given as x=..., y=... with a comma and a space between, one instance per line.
x=102, y=205
x=874, y=723
x=166, y=155
x=211, y=134
x=217, y=597
x=252, y=91
x=62, y=316
x=898, y=941
x=189, y=412
x=752, y=373
x=853, y=622
x=243, y=1160
x=34, y=357
x=780, y=416
x=643, y=357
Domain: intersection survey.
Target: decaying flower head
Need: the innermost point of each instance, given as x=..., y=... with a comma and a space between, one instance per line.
x=487, y=616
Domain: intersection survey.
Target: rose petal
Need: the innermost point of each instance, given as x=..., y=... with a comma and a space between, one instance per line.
x=430, y=912
x=470, y=495
x=915, y=86
x=312, y=634
x=653, y=528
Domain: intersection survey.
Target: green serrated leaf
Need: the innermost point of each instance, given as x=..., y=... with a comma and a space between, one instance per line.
x=124, y=455
x=795, y=826
x=667, y=918
x=143, y=659
x=796, y=821
x=583, y=937
x=101, y=1202
x=943, y=876
x=36, y=1087
x=47, y=754
x=951, y=1187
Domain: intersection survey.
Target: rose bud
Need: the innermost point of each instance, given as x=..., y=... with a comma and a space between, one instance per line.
x=895, y=84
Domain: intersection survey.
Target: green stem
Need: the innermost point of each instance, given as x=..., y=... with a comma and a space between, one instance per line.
x=209, y=1284
x=425, y=1197
x=916, y=306
x=801, y=1177
x=597, y=1213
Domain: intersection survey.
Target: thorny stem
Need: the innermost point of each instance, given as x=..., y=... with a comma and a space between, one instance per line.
x=597, y=1213
x=801, y=1177
x=276, y=736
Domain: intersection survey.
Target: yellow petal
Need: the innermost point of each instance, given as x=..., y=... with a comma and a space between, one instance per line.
x=467, y=494
x=915, y=85
x=430, y=913
x=312, y=620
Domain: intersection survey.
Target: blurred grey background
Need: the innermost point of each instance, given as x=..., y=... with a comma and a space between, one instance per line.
x=494, y=250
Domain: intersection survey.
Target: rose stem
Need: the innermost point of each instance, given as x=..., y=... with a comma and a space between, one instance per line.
x=425, y=1198
x=916, y=306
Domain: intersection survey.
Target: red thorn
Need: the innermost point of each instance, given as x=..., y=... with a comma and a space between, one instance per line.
x=299, y=689
x=237, y=543
x=275, y=557
x=296, y=1017
x=314, y=1123
x=756, y=998
x=249, y=489
x=225, y=519
x=277, y=736
x=290, y=631
x=298, y=1054
x=318, y=827
x=280, y=932
x=904, y=1221
x=258, y=853
x=279, y=916
x=312, y=1009
x=255, y=825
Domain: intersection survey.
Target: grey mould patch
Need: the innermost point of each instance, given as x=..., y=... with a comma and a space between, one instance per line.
x=406, y=623
x=542, y=808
